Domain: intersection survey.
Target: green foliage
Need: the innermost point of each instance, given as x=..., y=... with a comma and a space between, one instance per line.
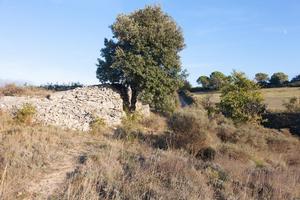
x=295, y=82
x=215, y=81
x=143, y=54
x=293, y=105
x=25, y=114
x=61, y=87
x=204, y=81
x=278, y=79
x=241, y=100
x=295, y=79
x=262, y=78
x=186, y=85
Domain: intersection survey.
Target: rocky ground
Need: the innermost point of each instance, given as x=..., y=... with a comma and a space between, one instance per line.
x=73, y=109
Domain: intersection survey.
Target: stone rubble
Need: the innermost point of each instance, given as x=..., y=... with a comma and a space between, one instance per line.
x=75, y=109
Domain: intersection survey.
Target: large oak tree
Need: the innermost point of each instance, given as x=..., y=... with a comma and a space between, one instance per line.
x=144, y=55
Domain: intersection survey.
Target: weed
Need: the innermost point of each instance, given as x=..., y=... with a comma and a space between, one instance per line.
x=98, y=125
x=25, y=114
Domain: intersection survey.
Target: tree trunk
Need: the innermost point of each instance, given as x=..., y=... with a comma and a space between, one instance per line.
x=133, y=100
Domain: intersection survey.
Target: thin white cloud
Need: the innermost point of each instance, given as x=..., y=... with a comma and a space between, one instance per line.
x=277, y=30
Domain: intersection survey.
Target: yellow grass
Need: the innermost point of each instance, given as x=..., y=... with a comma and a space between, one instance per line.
x=274, y=97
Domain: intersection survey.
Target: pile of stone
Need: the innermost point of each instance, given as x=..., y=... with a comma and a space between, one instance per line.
x=75, y=109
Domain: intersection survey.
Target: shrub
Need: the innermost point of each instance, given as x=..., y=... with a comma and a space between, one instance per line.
x=241, y=100
x=155, y=123
x=206, y=154
x=227, y=133
x=131, y=127
x=208, y=105
x=189, y=128
x=11, y=90
x=98, y=125
x=293, y=105
x=25, y=114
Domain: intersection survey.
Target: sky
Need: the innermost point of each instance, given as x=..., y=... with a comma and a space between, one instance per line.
x=43, y=41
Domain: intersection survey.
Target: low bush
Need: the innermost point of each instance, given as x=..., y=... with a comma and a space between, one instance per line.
x=189, y=128
x=209, y=105
x=155, y=123
x=227, y=133
x=11, y=90
x=25, y=114
x=14, y=90
x=98, y=125
x=241, y=100
x=293, y=105
x=206, y=154
x=130, y=128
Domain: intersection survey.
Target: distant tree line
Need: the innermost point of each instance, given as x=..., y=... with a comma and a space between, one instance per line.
x=216, y=80
x=61, y=87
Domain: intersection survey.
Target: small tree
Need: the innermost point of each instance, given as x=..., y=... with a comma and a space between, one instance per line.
x=204, y=81
x=262, y=79
x=217, y=80
x=296, y=79
x=279, y=79
x=295, y=82
x=144, y=55
x=241, y=100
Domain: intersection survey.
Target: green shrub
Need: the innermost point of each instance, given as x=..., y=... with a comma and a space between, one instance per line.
x=189, y=127
x=25, y=114
x=241, y=99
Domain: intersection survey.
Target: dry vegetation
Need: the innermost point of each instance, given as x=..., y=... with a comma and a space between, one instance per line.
x=274, y=97
x=14, y=90
x=188, y=156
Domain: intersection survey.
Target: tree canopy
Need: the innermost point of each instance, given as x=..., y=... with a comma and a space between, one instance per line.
x=278, y=79
x=204, y=81
x=144, y=55
x=295, y=79
x=241, y=100
x=215, y=81
x=262, y=79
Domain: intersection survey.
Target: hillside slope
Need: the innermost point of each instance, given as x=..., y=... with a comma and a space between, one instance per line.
x=142, y=160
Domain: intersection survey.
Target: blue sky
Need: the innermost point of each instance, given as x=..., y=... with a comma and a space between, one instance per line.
x=59, y=40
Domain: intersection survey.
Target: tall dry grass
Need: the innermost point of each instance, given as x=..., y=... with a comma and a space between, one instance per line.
x=251, y=162
x=14, y=90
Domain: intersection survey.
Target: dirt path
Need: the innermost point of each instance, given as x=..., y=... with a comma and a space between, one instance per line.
x=183, y=103
x=56, y=174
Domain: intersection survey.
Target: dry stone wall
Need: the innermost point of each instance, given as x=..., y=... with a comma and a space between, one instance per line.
x=75, y=109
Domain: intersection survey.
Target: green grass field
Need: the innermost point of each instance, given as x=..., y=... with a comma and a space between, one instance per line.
x=274, y=97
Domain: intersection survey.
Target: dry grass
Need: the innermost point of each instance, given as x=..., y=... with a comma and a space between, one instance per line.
x=13, y=90
x=274, y=97
x=251, y=162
